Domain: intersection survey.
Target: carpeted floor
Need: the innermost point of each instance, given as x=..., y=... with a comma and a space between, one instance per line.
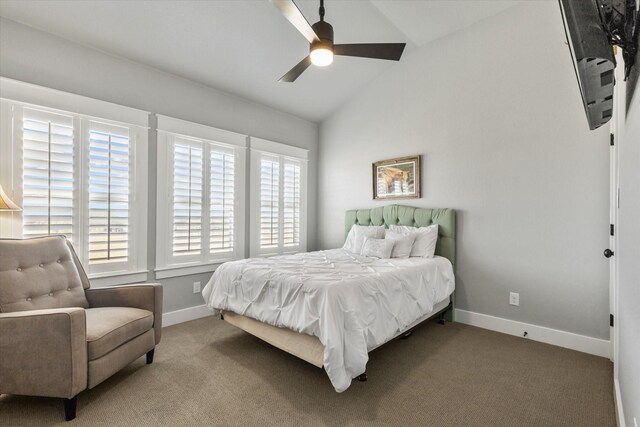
x=207, y=372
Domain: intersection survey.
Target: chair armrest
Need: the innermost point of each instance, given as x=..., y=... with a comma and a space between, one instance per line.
x=146, y=296
x=43, y=352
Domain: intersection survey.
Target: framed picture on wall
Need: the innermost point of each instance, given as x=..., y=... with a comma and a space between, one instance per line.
x=397, y=178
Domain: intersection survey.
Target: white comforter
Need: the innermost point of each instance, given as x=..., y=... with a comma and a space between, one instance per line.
x=351, y=303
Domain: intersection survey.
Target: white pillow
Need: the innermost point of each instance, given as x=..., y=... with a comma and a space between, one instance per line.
x=378, y=248
x=350, y=241
x=355, y=238
x=426, y=239
x=402, y=243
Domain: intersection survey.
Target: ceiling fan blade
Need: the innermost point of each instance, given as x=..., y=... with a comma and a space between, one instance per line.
x=295, y=72
x=389, y=51
x=293, y=15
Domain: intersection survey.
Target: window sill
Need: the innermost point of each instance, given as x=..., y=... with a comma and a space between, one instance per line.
x=186, y=270
x=110, y=279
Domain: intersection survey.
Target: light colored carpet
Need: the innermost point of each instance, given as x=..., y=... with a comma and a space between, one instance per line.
x=207, y=372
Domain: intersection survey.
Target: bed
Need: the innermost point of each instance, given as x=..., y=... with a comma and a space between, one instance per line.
x=331, y=308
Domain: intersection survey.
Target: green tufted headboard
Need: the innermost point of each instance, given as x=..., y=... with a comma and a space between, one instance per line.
x=408, y=215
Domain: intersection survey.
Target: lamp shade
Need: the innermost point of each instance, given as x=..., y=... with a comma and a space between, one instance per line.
x=321, y=56
x=6, y=204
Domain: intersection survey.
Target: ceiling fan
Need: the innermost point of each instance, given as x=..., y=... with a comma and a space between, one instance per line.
x=322, y=48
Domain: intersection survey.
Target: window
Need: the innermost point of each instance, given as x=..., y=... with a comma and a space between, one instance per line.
x=269, y=201
x=109, y=181
x=200, y=197
x=187, y=198
x=278, y=198
x=79, y=176
x=79, y=167
x=221, y=200
x=47, y=172
x=291, y=203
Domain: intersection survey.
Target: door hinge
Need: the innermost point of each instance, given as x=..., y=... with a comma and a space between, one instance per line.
x=612, y=229
x=611, y=141
x=611, y=320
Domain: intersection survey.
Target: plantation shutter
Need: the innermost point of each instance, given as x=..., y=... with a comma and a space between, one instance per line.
x=278, y=198
x=47, y=175
x=108, y=193
x=78, y=168
x=200, y=218
x=269, y=201
x=221, y=199
x=187, y=197
x=291, y=203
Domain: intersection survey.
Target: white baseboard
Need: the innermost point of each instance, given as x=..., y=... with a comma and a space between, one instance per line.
x=564, y=339
x=618, y=400
x=184, y=315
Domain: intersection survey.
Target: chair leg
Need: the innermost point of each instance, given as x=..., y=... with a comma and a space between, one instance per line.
x=150, y=356
x=70, y=406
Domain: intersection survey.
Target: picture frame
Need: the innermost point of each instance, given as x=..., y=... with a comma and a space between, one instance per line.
x=397, y=178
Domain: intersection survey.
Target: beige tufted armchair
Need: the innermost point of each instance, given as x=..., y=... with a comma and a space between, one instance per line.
x=58, y=337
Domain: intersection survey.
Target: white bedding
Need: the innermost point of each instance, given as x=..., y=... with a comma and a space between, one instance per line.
x=352, y=303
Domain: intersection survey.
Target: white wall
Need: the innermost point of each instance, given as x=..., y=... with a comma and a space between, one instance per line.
x=36, y=57
x=495, y=111
x=628, y=253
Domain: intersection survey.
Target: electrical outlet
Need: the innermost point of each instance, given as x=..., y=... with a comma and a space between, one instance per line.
x=196, y=287
x=514, y=298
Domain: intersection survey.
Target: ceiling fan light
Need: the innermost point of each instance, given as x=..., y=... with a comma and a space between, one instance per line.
x=321, y=56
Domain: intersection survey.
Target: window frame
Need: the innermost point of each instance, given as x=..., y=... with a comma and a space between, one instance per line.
x=170, y=129
x=261, y=147
x=16, y=96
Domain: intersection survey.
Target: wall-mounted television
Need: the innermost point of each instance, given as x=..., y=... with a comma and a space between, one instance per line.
x=593, y=28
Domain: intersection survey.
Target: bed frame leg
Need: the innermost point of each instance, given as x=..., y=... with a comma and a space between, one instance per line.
x=362, y=377
x=406, y=335
x=449, y=315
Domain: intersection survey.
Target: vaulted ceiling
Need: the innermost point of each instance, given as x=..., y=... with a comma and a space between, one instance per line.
x=243, y=47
